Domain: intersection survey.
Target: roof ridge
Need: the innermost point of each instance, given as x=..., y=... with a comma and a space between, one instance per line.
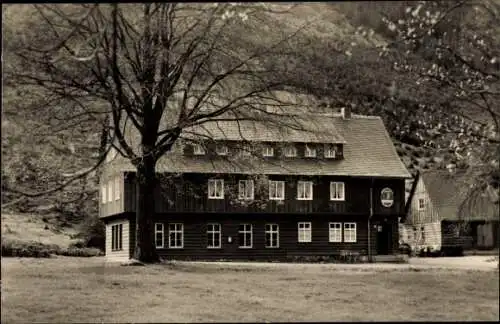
x=339, y=115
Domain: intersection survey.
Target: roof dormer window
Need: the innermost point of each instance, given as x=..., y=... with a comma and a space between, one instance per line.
x=267, y=151
x=290, y=151
x=221, y=149
x=310, y=151
x=198, y=149
x=330, y=151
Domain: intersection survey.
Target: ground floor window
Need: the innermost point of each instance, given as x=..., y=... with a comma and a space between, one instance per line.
x=159, y=236
x=175, y=236
x=272, y=235
x=304, y=232
x=245, y=236
x=335, y=232
x=116, y=237
x=350, y=232
x=213, y=236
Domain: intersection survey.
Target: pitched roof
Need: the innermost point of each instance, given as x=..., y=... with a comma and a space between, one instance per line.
x=368, y=149
x=451, y=195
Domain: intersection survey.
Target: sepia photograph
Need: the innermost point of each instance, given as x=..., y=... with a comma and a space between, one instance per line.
x=250, y=162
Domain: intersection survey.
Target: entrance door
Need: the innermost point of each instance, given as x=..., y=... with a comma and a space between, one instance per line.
x=383, y=238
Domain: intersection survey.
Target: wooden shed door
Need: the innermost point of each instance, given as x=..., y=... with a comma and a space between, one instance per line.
x=383, y=238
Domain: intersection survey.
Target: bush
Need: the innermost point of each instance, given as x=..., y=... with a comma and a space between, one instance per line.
x=92, y=235
x=40, y=250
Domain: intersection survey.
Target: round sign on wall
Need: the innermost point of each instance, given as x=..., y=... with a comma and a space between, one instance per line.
x=387, y=197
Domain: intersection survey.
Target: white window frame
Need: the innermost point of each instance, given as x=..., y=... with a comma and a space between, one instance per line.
x=159, y=229
x=290, y=151
x=277, y=184
x=304, y=232
x=310, y=152
x=267, y=151
x=221, y=149
x=213, y=231
x=243, y=193
x=247, y=229
x=350, y=232
x=175, y=229
x=117, y=237
x=218, y=189
x=104, y=191
x=117, y=188
x=272, y=229
x=421, y=207
x=330, y=151
x=335, y=232
x=337, y=191
x=305, y=185
x=198, y=149
x=110, y=190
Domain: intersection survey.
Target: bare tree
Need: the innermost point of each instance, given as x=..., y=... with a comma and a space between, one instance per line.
x=155, y=70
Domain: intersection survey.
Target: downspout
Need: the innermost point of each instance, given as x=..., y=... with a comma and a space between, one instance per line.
x=370, y=258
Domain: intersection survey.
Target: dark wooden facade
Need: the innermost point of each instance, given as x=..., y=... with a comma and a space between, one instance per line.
x=185, y=201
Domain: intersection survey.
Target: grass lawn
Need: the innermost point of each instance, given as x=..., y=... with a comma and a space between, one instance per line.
x=66, y=289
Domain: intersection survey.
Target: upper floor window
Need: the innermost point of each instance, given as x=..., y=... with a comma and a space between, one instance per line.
x=290, y=151
x=310, y=151
x=198, y=149
x=330, y=151
x=245, y=190
x=216, y=189
x=267, y=150
x=421, y=203
x=221, y=149
x=304, y=190
x=103, y=193
x=110, y=190
x=337, y=191
x=117, y=188
x=246, y=150
x=276, y=190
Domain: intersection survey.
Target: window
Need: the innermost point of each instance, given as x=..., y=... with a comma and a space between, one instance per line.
x=304, y=190
x=245, y=190
x=276, y=190
x=159, y=236
x=246, y=150
x=213, y=236
x=272, y=236
x=267, y=150
x=221, y=149
x=421, y=203
x=337, y=191
x=117, y=188
x=304, y=232
x=330, y=151
x=103, y=193
x=176, y=236
x=350, y=232
x=216, y=189
x=335, y=232
x=245, y=236
x=290, y=151
x=110, y=190
x=116, y=237
x=310, y=151
x=198, y=149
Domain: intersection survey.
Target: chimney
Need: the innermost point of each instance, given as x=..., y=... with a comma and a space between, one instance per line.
x=345, y=112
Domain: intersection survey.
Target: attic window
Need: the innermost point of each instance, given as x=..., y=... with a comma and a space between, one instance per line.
x=310, y=151
x=421, y=203
x=330, y=151
x=290, y=151
x=267, y=151
x=221, y=149
x=198, y=149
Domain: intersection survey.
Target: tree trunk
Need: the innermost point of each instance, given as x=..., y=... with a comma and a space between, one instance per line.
x=145, y=250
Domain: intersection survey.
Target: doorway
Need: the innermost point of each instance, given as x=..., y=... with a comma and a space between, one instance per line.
x=384, y=238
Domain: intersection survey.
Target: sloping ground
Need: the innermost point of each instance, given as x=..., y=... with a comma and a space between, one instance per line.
x=29, y=227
